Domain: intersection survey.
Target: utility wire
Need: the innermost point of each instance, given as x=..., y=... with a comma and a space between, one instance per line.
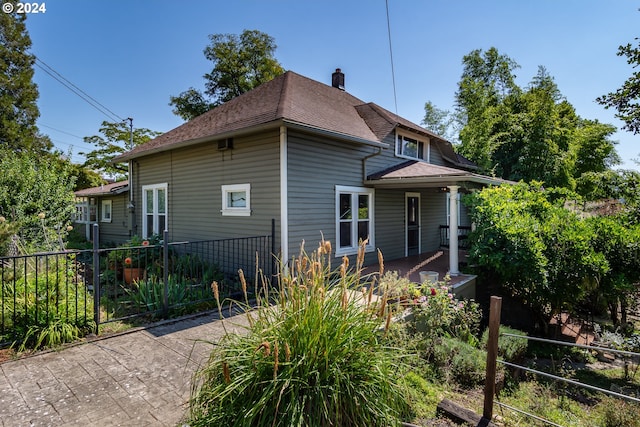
x=393, y=74
x=61, y=131
x=76, y=90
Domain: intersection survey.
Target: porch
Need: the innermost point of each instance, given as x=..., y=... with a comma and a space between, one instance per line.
x=462, y=285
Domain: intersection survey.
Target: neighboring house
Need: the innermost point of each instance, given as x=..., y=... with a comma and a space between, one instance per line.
x=314, y=158
x=106, y=205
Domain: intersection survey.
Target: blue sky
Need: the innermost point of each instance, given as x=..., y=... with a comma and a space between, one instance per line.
x=131, y=56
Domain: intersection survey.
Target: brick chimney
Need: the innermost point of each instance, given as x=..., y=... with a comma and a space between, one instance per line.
x=337, y=79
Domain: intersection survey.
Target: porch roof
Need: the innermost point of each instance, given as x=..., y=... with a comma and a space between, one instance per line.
x=416, y=173
x=103, y=190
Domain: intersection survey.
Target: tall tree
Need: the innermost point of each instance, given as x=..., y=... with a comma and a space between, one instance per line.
x=115, y=140
x=626, y=100
x=240, y=63
x=440, y=122
x=487, y=79
x=530, y=133
x=18, y=93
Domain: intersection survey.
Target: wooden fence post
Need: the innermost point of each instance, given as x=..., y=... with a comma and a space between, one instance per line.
x=492, y=356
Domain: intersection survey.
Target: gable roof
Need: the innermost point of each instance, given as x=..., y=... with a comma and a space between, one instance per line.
x=294, y=100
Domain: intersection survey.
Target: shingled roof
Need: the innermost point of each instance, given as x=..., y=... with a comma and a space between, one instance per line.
x=292, y=99
x=106, y=189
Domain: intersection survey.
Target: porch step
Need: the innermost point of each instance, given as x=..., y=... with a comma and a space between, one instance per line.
x=571, y=329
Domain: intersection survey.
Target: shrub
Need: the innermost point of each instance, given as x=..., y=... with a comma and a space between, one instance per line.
x=618, y=413
x=47, y=308
x=459, y=362
x=511, y=349
x=438, y=313
x=316, y=359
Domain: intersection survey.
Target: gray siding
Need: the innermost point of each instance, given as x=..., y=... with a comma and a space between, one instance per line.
x=316, y=166
x=195, y=175
x=116, y=231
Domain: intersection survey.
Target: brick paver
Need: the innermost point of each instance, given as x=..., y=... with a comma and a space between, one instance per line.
x=139, y=378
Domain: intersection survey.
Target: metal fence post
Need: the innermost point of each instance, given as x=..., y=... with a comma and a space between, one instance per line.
x=96, y=277
x=492, y=356
x=165, y=270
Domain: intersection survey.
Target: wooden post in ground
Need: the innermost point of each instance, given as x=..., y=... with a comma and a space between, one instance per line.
x=492, y=356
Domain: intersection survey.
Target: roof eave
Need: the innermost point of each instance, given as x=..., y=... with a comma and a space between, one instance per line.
x=337, y=135
x=436, y=180
x=187, y=143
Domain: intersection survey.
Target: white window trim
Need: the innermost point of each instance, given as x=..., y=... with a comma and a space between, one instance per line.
x=424, y=140
x=103, y=210
x=355, y=192
x=82, y=211
x=231, y=210
x=448, y=203
x=164, y=187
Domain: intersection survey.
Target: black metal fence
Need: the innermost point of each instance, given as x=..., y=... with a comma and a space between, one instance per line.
x=463, y=233
x=87, y=288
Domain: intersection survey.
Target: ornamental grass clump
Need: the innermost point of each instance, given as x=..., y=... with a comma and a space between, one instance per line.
x=314, y=358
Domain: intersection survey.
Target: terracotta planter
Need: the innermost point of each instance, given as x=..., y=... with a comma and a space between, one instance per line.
x=132, y=274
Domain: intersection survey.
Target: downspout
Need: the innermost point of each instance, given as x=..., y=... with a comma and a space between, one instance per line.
x=131, y=206
x=364, y=163
x=284, y=200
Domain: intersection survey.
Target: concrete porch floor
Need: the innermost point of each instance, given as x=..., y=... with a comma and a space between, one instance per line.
x=429, y=261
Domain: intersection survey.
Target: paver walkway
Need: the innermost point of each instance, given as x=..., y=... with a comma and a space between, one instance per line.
x=139, y=378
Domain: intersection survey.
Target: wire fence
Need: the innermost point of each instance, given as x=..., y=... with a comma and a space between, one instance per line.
x=492, y=361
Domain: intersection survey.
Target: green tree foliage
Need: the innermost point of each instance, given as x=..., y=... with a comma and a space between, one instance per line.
x=525, y=134
x=539, y=250
x=626, y=99
x=440, y=122
x=240, y=63
x=115, y=140
x=36, y=196
x=622, y=185
x=18, y=93
x=619, y=242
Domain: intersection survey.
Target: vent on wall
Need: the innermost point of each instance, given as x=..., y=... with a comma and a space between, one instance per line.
x=225, y=144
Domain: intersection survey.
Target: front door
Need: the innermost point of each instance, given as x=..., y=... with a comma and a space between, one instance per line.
x=412, y=209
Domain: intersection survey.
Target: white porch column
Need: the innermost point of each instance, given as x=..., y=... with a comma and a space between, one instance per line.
x=453, y=230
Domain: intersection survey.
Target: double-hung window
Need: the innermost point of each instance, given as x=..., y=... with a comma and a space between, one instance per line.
x=412, y=148
x=154, y=209
x=354, y=218
x=105, y=209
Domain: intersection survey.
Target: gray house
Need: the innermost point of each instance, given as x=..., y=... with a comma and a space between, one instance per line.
x=107, y=206
x=314, y=158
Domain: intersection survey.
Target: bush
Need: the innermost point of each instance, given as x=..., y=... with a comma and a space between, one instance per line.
x=438, y=313
x=618, y=413
x=511, y=349
x=459, y=362
x=48, y=308
x=314, y=360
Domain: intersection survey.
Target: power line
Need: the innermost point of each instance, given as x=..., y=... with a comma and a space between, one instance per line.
x=76, y=90
x=61, y=131
x=393, y=74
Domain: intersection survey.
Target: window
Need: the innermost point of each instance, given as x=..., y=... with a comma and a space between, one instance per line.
x=154, y=209
x=448, y=203
x=82, y=211
x=236, y=200
x=106, y=211
x=354, y=218
x=412, y=148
